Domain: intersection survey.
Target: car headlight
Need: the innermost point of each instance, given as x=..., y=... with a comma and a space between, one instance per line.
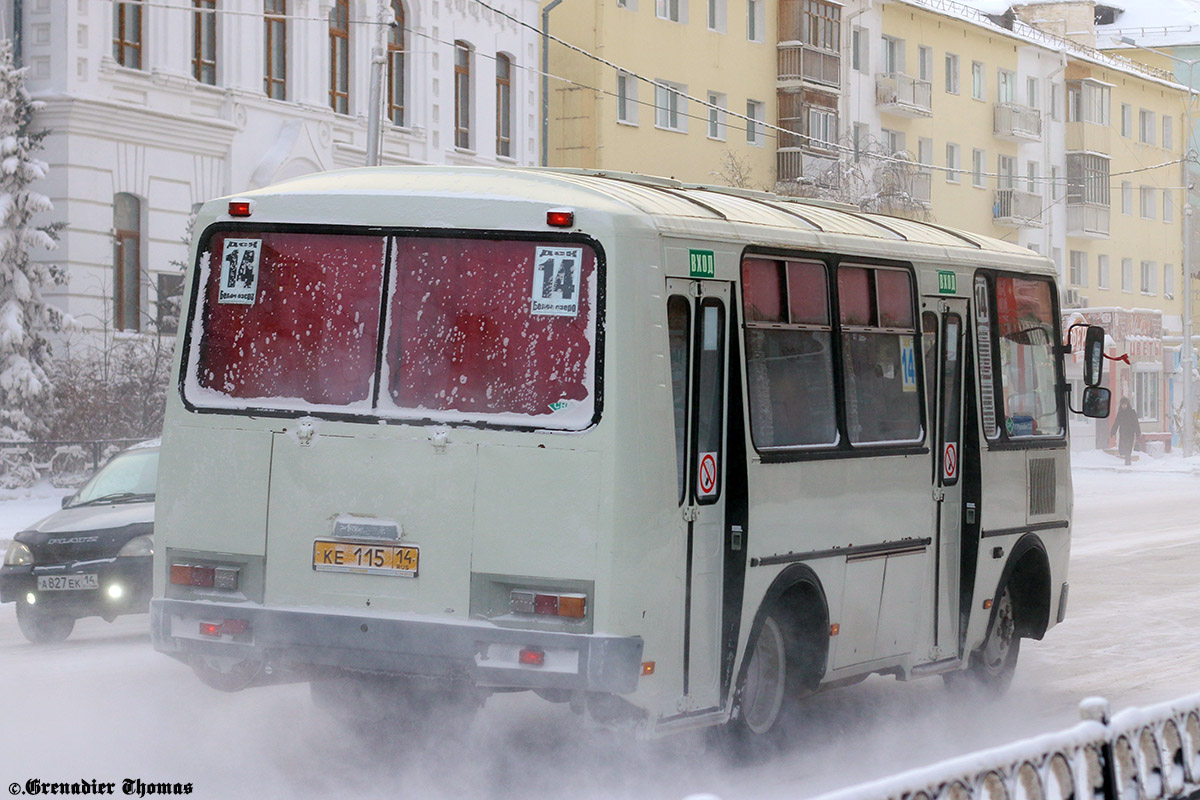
x=18, y=555
x=138, y=546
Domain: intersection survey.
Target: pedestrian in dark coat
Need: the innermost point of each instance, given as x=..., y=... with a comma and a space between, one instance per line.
x=1126, y=428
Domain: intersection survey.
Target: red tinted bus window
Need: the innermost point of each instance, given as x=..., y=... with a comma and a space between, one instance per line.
x=806, y=293
x=895, y=299
x=480, y=329
x=291, y=316
x=763, y=281
x=854, y=296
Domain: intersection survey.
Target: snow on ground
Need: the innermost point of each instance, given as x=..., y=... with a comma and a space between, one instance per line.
x=104, y=705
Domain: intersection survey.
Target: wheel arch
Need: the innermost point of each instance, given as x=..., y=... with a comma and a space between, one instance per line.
x=798, y=589
x=1027, y=571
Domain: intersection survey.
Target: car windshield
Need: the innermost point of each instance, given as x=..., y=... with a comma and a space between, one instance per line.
x=131, y=476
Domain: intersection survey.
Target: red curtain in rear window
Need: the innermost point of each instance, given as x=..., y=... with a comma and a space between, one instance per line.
x=312, y=328
x=465, y=336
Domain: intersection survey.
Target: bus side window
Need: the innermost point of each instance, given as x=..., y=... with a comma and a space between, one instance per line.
x=678, y=319
x=878, y=344
x=789, y=360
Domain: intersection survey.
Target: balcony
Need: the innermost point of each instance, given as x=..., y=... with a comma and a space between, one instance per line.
x=1018, y=123
x=903, y=95
x=802, y=62
x=1087, y=220
x=795, y=165
x=1087, y=137
x=1017, y=209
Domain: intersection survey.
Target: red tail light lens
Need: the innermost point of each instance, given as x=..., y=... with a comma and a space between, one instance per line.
x=560, y=218
x=188, y=575
x=229, y=627
x=239, y=208
x=532, y=656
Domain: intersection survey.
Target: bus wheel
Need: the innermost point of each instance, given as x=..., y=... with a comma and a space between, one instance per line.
x=765, y=685
x=41, y=628
x=992, y=666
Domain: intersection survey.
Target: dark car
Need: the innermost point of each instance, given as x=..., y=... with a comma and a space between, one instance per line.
x=92, y=558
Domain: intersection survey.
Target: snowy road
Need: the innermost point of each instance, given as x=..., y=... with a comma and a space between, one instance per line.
x=104, y=706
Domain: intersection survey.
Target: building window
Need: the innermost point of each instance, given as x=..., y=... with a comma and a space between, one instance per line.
x=667, y=9
x=1168, y=206
x=1149, y=275
x=1146, y=194
x=204, y=41
x=462, y=95
x=1146, y=126
x=862, y=134
x=395, y=48
x=503, y=105
x=977, y=161
x=893, y=55
x=951, y=73
x=755, y=20
x=1126, y=198
x=127, y=262
x=808, y=126
x=1055, y=101
x=925, y=63
x=275, y=48
x=754, y=129
x=1032, y=177
x=670, y=107
x=1006, y=86
x=1089, y=101
x=1031, y=92
x=716, y=116
x=1079, y=268
x=339, y=56
x=953, y=163
x=820, y=24
x=822, y=128
x=1006, y=169
x=1102, y=272
x=859, y=51
x=1087, y=178
x=1127, y=275
x=1168, y=133
x=169, y=296
x=627, y=106
x=716, y=15
x=893, y=141
x=1169, y=281
x=977, y=80
x=1126, y=120
x=1145, y=394
x=127, y=33
x=1055, y=185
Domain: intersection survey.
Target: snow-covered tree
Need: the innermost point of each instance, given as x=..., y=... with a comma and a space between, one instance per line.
x=26, y=320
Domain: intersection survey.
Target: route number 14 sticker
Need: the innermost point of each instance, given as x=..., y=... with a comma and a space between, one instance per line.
x=239, y=271
x=706, y=475
x=556, y=282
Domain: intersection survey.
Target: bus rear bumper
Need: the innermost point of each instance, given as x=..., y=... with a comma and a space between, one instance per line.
x=277, y=645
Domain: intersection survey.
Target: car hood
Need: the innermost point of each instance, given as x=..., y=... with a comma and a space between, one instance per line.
x=90, y=532
x=94, y=518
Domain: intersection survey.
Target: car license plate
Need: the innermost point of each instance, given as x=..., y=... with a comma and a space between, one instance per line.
x=67, y=583
x=375, y=558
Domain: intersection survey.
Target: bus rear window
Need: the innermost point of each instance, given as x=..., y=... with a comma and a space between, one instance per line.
x=474, y=330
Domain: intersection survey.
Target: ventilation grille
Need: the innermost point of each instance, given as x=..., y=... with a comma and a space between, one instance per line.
x=1041, y=486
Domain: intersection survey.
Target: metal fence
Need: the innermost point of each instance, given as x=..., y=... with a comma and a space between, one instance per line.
x=63, y=463
x=1140, y=754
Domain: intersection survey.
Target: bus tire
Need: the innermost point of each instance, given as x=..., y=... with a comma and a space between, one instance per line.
x=992, y=666
x=41, y=628
x=772, y=683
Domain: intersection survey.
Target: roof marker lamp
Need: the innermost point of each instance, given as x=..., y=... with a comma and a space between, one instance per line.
x=240, y=208
x=560, y=218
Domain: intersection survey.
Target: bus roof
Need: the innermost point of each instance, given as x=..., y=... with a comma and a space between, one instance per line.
x=670, y=206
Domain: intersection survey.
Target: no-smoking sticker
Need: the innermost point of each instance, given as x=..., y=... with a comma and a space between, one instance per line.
x=950, y=462
x=706, y=475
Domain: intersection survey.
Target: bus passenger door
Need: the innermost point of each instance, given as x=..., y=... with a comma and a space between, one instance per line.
x=949, y=461
x=703, y=486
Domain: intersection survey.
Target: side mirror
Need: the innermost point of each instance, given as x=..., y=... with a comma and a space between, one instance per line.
x=1096, y=402
x=66, y=499
x=1093, y=361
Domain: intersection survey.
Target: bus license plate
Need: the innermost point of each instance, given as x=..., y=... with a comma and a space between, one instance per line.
x=374, y=558
x=67, y=583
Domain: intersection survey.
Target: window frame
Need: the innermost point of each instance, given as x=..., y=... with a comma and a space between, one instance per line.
x=463, y=133
x=397, y=68
x=275, y=41
x=204, y=41
x=339, y=56
x=627, y=102
x=670, y=106
x=127, y=240
x=129, y=30
x=951, y=67
x=504, y=110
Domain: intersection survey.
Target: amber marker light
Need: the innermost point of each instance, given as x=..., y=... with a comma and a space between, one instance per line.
x=647, y=668
x=835, y=629
x=987, y=604
x=572, y=605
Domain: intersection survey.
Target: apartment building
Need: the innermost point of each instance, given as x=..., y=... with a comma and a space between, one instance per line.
x=666, y=87
x=156, y=106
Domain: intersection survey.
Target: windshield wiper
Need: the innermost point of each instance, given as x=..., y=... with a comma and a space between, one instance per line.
x=116, y=497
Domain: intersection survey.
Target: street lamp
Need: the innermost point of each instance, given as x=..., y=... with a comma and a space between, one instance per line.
x=1185, y=355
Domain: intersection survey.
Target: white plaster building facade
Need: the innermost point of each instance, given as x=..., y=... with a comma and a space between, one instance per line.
x=157, y=105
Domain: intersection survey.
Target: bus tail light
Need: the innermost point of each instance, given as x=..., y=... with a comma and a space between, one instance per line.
x=205, y=577
x=552, y=604
x=229, y=627
x=532, y=656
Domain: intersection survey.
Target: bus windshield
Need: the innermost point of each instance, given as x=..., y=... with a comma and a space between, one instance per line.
x=420, y=328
